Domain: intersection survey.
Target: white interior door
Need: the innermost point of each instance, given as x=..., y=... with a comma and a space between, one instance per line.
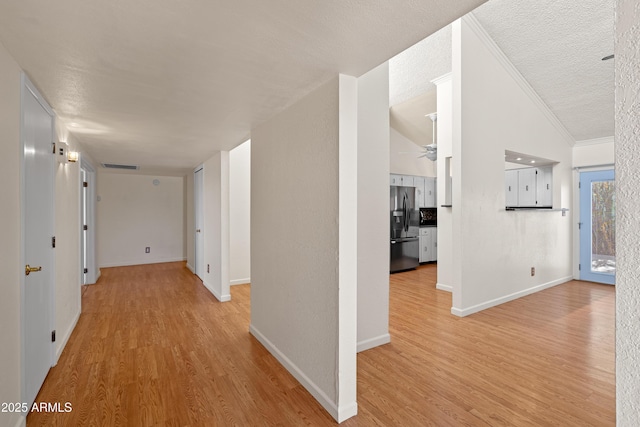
x=83, y=219
x=38, y=226
x=198, y=183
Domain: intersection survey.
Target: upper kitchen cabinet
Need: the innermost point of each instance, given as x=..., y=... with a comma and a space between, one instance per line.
x=418, y=182
x=401, y=180
x=430, y=192
x=528, y=187
x=511, y=187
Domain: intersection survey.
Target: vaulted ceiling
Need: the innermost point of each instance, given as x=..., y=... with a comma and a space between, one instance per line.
x=166, y=83
x=557, y=46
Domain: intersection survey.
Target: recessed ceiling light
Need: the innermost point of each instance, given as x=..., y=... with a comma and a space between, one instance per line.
x=533, y=161
x=519, y=158
x=74, y=125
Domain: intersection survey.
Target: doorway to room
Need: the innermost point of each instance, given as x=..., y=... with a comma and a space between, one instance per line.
x=597, y=226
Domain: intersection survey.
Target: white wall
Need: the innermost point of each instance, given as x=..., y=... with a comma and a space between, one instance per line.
x=627, y=151
x=498, y=248
x=403, y=157
x=133, y=213
x=216, y=225
x=10, y=367
x=296, y=292
x=593, y=152
x=373, y=208
x=240, y=214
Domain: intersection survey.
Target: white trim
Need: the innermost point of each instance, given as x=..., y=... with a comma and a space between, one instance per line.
x=595, y=141
x=221, y=298
x=98, y=275
x=446, y=288
x=311, y=387
x=494, y=302
x=141, y=262
x=240, y=281
x=443, y=78
x=67, y=335
x=373, y=342
x=491, y=45
x=191, y=269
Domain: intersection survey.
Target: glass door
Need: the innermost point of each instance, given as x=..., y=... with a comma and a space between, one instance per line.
x=597, y=227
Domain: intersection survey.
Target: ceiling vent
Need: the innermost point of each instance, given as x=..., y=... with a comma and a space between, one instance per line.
x=116, y=166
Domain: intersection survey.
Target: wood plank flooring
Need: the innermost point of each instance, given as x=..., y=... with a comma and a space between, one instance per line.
x=153, y=348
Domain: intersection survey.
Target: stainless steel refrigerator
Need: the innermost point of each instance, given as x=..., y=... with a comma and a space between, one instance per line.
x=405, y=220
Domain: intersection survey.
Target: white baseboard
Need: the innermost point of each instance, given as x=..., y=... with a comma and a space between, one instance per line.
x=240, y=281
x=141, y=261
x=442, y=287
x=492, y=303
x=373, y=342
x=98, y=275
x=330, y=406
x=66, y=336
x=219, y=297
x=191, y=269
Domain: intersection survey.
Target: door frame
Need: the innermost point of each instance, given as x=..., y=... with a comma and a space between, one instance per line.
x=583, y=230
x=198, y=200
x=26, y=88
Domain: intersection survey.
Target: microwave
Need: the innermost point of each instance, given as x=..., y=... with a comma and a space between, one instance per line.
x=429, y=217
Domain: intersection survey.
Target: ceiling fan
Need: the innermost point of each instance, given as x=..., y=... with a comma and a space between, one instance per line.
x=431, y=150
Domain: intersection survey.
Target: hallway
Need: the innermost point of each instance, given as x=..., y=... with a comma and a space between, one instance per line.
x=153, y=347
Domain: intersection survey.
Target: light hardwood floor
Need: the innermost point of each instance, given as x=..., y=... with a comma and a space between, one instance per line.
x=153, y=347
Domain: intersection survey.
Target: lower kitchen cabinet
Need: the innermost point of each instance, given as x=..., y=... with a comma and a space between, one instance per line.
x=428, y=244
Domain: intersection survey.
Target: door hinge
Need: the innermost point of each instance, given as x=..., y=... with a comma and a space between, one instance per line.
x=579, y=267
x=53, y=148
x=86, y=270
x=53, y=336
x=579, y=226
x=579, y=184
x=85, y=227
x=53, y=242
x=85, y=184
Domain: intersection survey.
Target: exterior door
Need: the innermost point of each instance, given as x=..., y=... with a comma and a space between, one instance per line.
x=38, y=226
x=198, y=185
x=597, y=227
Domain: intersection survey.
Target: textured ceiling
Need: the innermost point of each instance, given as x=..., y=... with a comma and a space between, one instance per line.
x=556, y=45
x=166, y=83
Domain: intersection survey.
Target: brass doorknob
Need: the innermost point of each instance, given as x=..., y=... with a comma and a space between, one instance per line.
x=28, y=269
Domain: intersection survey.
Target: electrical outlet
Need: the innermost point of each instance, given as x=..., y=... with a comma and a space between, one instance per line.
x=147, y=250
x=207, y=268
x=533, y=271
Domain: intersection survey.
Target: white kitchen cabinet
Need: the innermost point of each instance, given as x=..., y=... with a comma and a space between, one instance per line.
x=544, y=186
x=407, y=181
x=430, y=192
x=428, y=244
x=511, y=188
x=418, y=182
x=401, y=180
x=529, y=187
